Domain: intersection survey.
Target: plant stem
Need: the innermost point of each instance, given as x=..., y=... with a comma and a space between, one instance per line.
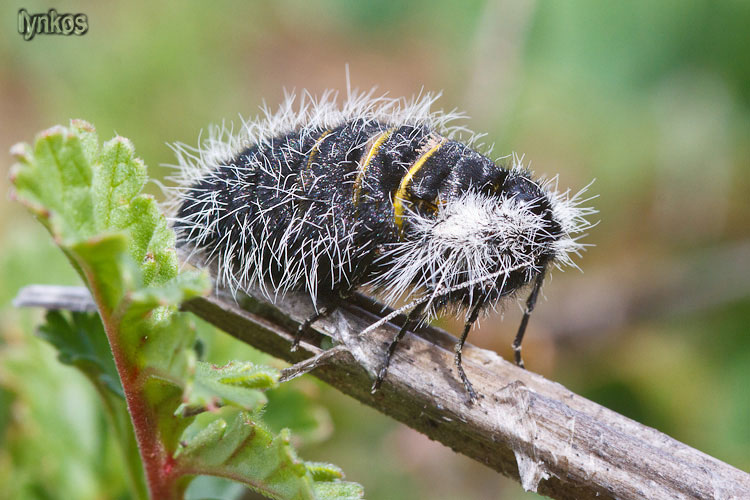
x=119, y=421
x=161, y=475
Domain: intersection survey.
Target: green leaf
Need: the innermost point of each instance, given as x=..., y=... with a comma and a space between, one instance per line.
x=100, y=261
x=120, y=206
x=90, y=200
x=81, y=342
x=322, y=471
x=54, y=179
x=237, y=383
x=143, y=301
x=237, y=445
x=338, y=490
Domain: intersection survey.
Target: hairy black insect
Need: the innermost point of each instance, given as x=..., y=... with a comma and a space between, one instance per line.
x=378, y=192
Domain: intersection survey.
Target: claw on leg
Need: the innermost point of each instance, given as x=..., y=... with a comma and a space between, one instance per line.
x=530, y=303
x=305, y=325
x=383, y=371
x=459, y=348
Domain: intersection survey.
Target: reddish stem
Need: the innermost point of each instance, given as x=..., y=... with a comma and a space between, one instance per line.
x=162, y=476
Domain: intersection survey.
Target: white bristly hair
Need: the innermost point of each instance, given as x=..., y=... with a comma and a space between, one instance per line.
x=475, y=239
x=310, y=112
x=449, y=251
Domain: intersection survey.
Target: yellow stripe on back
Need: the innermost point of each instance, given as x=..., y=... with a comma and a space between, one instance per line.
x=314, y=151
x=401, y=196
x=376, y=144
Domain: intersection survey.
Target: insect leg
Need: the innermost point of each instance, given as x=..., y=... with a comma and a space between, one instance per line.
x=530, y=303
x=322, y=312
x=413, y=317
x=459, y=347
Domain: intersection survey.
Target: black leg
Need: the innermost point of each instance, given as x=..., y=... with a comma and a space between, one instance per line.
x=322, y=312
x=530, y=303
x=413, y=317
x=459, y=347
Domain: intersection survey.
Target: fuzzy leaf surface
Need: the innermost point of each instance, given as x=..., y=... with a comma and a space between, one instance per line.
x=236, y=445
x=238, y=383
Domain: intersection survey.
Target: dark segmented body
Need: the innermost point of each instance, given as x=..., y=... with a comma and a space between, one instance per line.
x=342, y=202
x=354, y=183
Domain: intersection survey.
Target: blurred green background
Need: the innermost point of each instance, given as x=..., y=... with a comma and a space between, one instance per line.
x=650, y=98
